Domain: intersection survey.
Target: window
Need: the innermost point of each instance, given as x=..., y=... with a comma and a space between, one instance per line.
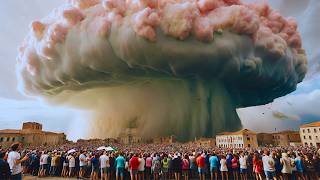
x=310, y=138
x=303, y=131
x=248, y=138
x=315, y=130
x=1, y=139
x=316, y=137
x=13, y=139
x=308, y=130
x=304, y=137
x=8, y=139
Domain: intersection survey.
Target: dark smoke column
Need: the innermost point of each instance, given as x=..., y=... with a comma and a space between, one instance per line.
x=168, y=66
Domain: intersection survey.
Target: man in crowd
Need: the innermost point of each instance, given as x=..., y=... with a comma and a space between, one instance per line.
x=4, y=167
x=82, y=163
x=134, y=166
x=104, y=166
x=214, y=166
x=14, y=160
x=43, y=164
x=120, y=164
x=268, y=165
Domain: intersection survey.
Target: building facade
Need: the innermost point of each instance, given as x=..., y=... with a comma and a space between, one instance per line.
x=205, y=142
x=130, y=136
x=282, y=138
x=286, y=138
x=310, y=134
x=164, y=140
x=240, y=139
x=30, y=134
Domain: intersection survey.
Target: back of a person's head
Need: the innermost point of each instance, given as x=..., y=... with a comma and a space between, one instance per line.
x=2, y=154
x=14, y=146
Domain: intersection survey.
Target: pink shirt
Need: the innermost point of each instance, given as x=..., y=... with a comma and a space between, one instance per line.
x=148, y=162
x=185, y=164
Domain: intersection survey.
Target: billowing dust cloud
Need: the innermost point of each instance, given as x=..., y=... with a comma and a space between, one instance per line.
x=164, y=66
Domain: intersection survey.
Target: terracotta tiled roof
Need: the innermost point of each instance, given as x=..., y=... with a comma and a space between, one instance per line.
x=314, y=124
x=238, y=132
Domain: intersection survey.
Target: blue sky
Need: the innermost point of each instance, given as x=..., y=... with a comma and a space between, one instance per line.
x=298, y=107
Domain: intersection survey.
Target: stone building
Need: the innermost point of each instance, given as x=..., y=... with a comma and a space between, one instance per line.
x=286, y=138
x=30, y=134
x=239, y=139
x=164, y=140
x=265, y=139
x=130, y=136
x=205, y=142
x=310, y=134
x=282, y=138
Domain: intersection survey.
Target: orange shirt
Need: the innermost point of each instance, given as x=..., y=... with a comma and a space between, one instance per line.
x=201, y=162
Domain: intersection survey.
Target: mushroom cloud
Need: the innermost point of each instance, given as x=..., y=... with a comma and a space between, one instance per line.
x=165, y=67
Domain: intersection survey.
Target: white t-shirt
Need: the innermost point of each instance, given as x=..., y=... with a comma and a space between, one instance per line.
x=268, y=163
x=83, y=161
x=223, y=164
x=44, y=159
x=286, y=165
x=13, y=156
x=142, y=162
x=243, y=162
x=104, y=161
x=72, y=162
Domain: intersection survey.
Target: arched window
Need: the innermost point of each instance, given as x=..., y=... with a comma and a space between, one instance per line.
x=13, y=139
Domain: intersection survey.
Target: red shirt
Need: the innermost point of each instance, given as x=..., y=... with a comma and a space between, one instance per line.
x=201, y=162
x=134, y=163
x=234, y=162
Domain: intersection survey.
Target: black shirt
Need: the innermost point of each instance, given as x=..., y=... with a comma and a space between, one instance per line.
x=4, y=169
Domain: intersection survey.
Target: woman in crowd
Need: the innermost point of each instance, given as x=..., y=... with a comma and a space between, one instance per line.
x=257, y=166
x=185, y=167
x=235, y=167
x=224, y=168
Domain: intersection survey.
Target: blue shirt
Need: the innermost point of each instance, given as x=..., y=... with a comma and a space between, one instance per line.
x=120, y=161
x=213, y=160
x=298, y=164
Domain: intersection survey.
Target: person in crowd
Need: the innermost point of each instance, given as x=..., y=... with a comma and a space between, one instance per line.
x=82, y=163
x=277, y=164
x=268, y=166
x=141, y=167
x=257, y=166
x=165, y=167
x=310, y=167
x=95, y=167
x=224, y=168
x=14, y=160
x=214, y=166
x=54, y=164
x=193, y=165
x=120, y=165
x=243, y=161
x=235, y=167
x=72, y=165
x=4, y=166
x=299, y=166
x=177, y=166
x=44, y=164
x=185, y=167
x=156, y=166
x=134, y=167
x=65, y=169
x=201, y=166
x=148, y=166
x=287, y=164
x=104, y=166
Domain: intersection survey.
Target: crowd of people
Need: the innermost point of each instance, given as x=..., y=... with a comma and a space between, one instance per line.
x=160, y=161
